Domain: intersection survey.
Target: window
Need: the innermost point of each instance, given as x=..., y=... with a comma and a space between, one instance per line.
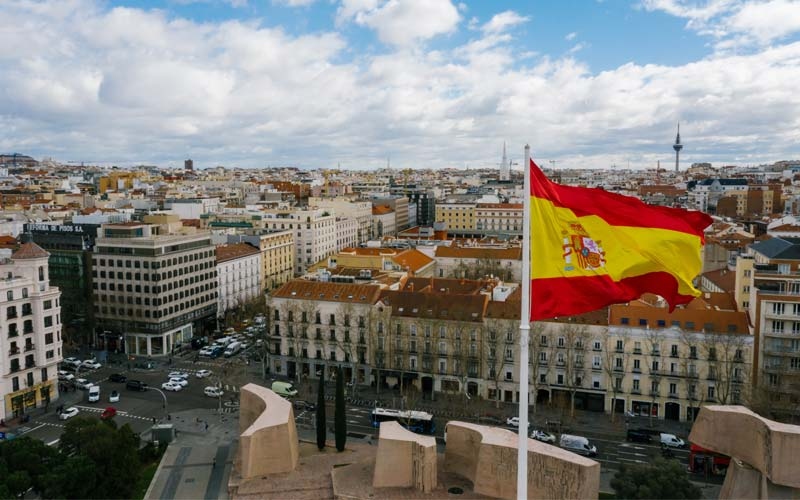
x=673, y=389
x=636, y=384
x=625, y=321
x=711, y=392
x=48, y=321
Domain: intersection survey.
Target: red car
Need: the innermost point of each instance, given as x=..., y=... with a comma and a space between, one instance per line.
x=109, y=412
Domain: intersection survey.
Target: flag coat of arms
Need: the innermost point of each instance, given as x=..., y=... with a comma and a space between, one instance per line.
x=591, y=248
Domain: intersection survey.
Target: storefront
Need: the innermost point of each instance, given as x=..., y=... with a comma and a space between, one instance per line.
x=20, y=402
x=644, y=408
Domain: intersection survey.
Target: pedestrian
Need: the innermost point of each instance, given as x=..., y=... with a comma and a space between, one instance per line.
x=154, y=420
x=214, y=462
x=206, y=425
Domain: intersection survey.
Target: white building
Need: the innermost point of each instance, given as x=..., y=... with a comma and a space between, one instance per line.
x=239, y=273
x=314, y=230
x=361, y=211
x=346, y=233
x=192, y=208
x=30, y=321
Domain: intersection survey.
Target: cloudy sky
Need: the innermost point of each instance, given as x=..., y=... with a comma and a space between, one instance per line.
x=427, y=83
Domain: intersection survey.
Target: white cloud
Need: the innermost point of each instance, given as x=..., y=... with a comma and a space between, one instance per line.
x=502, y=21
x=570, y=36
x=402, y=22
x=82, y=81
x=293, y=3
x=735, y=24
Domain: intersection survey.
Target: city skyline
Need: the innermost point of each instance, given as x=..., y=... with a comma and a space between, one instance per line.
x=247, y=83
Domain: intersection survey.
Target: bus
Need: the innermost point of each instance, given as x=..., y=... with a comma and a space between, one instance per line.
x=416, y=421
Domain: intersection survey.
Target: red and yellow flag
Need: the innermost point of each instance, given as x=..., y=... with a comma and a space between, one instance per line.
x=591, y=248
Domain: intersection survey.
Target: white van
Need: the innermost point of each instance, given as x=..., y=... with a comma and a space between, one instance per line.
x=94, y=393
x=671, y=441
x=285, y=389
x=577, y=444
x=224, y=341
x=232, y=349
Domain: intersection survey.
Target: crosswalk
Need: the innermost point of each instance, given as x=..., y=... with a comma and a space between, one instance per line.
x=230, y=388
x=125, y=414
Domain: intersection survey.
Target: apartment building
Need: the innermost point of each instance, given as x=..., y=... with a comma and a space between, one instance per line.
x=239, y=272
x=314, y=233
x=277, y=254
x=499, y=218
x=774, y=307
x=154, y=283
x=475, y=262
x=359, y=211
x=30, y=321
x=346, y=233
x=384, y=221
x=459, y=217
x=401, y=209
x=318, y=326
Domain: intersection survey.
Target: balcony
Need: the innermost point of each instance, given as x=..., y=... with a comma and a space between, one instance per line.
x=12, y=315
x=619, y=350
x=692, y=375
x=30, y=364
x=13, y=351
x=637, y=351
x=656, y=373
x=655, y=394
x=673, y=395
x=673, y=355
x=14, y=368
x=596, y=368
x=12, y=333
x=711, y=376
x=29, y=347
x=636, y=391
x=637, y=370
x=619, y=369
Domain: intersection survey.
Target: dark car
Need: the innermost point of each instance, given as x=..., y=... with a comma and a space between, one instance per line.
x=117, y=377
x=136, y=385
x=638, y=435
x=299, y=404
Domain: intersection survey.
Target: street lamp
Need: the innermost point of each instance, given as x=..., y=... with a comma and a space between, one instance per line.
x=164, y=396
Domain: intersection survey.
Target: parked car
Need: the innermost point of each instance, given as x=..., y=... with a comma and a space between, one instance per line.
x=514, y=422
x=68, y=413
x=180, y=381
x=117, y=377
x=65, y=376
x=544, y=437
x=638, y=435
x=82, y=384
x=671, y=441
x=213, y=392
x=285, y=389
x=108, y=413
x=136, y=385
x=171, y=386
x=73, y=362
x=203, y=373
x=113, y=397
x=578, y=444
x=178, y=374
x=206, y=351
x=299, y=404
x=91, y=364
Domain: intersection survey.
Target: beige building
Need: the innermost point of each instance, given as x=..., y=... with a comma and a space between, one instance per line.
x=30, y=319
x=459, y=217
x=154, y=282
x=345, y=207
x=277, y=254
x=314, y=233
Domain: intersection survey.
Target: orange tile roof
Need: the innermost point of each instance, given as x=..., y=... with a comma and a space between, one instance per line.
x=514, y=253
x=235, y=251
x=381, y=210
x=30, y=251
x=441, y=306
x=412, y=259
x=723, y=278
x=328, y=292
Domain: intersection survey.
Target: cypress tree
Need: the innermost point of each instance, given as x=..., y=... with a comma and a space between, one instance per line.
x=321, y=430
x=339, y=419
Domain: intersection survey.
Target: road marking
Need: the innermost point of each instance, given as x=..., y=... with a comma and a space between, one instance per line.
x=632, y=460
x=354, y=422
x=37, y=427
x=632, y=453
x=51, y=443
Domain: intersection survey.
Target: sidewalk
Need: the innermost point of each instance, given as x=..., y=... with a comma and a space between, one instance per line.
x=198, y=462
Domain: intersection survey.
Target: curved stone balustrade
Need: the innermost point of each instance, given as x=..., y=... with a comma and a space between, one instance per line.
x=405, y=459
x=268, y=438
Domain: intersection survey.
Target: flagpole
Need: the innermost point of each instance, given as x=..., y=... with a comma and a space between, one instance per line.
x=524, y=332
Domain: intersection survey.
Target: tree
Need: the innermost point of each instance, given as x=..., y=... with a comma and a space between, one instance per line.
x=615, y=363
x=321, y=419
x=662, y=479
x=570, y=355
x=339, y=418
x=653, y=351
x=377, y=338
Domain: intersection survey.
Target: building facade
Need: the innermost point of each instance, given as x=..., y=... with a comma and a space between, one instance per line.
x=30, y=319
x=154, y=283
x=314, y=233
x=277, y=254
x=239, y=271
x=459, y=217
x=360, y=211
x=499, y=218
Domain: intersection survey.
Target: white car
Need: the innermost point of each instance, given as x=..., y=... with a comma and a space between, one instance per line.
x=65, y=376
x=213, y=392
x=544, y=437
x=206, y=351
x=91, y=363
x=178, y=374
x=169, y=386
x=180, y=381
x=203, y=373
x=74, y=362
x=83, y=384
x=514, y=422
x=68, y=413
x=113, y=397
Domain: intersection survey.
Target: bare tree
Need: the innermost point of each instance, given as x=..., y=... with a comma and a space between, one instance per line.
x=615, y=361
x=540, y=343
x=494, y=353
x=378, y=340
x=724, y=354
x=654, y=337
x=570, y=356
x=690, y=371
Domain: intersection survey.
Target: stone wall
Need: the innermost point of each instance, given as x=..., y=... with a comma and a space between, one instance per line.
x=405, y=459
x=268, y=438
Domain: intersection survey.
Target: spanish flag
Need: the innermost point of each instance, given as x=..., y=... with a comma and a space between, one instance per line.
x=591, y=248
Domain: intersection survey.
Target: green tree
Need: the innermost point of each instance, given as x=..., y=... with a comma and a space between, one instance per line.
x=661, y=479
x=73, y=478
x=339, y=418
x=29, y=456
x=321, y=429
x=18, y=482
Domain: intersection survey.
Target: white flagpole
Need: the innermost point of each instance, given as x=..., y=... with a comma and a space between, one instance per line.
x=524, y=332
